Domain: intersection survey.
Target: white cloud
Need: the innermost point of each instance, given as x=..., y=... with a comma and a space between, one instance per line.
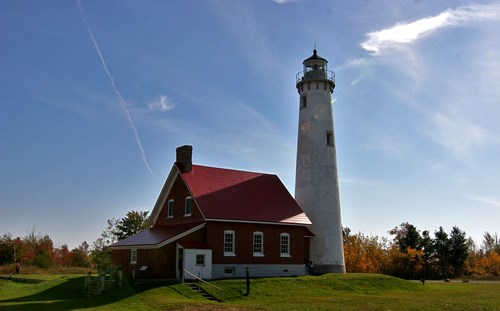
x=456, y=134
x=391, y=146
x=403, y=34
x=488, y=201
x=161, y=104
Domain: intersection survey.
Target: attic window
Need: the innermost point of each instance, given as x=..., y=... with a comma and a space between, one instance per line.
x=170, y=209
x=188, y=206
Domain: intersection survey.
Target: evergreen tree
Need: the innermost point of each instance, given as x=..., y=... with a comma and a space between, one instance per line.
x=441, y=249
x=407, y=236
x=459, y=250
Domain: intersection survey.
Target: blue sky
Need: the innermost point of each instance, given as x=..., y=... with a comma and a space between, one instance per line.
x=96, y=95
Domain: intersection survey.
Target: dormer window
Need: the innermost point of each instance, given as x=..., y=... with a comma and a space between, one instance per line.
x=188, y=206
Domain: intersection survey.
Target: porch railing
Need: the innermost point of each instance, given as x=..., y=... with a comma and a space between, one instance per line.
x=200, y=280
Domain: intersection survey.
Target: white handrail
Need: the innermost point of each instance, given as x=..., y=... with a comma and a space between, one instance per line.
x=205, y=282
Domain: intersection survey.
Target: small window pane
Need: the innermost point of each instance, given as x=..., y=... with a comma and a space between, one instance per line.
x=200, y=260
x=258, y=243
x=188, y=206
x=285, y=244
x=228, y=243
x=170, y=209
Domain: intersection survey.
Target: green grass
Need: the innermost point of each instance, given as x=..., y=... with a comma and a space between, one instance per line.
x=328, y=292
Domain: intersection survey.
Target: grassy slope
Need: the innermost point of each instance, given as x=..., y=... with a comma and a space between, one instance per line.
x=329, y=292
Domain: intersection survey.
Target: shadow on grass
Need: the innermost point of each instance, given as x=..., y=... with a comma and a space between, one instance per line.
x=70, y=295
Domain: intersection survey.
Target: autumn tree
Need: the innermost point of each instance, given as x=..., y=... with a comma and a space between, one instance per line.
x=362, y=253
x=80, y=255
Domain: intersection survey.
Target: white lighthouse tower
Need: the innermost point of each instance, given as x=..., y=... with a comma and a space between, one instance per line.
x=316, y=179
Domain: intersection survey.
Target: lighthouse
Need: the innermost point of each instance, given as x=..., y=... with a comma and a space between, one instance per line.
x=316, y=179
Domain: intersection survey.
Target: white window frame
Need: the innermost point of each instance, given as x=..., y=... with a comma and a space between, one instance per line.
x=202, y=261
x=133, y=256
x=284, y=247
x=186, y=206
x=170, y=213
x=229, y=246
x=258, y=246
x=229, y=271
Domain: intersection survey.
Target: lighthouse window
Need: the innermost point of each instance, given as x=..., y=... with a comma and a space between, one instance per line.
x=329, y=138
x=303, y=102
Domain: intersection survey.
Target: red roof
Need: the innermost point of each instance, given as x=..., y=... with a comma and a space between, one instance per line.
x=226, y=194
x=155, y=236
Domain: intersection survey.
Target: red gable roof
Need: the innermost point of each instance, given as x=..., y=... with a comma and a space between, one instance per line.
x=226, y=194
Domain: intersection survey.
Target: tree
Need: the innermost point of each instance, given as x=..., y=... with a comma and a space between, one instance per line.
x=406, y=236
x=459, y=250
x=490, y=243
x=80, y=255
x=362, y=253
x=63, y=256
x=133, y=223
x=441, y=249
x=6, y=249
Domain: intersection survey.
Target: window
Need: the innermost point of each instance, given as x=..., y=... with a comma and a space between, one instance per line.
x=303, y=102
x=229, y=243
x=200, y=260
x=170, y=209
x=329, y=138
x=229, y=271
x=258, y=244
x=285, y=245
x=188, y=206
x=133, y=256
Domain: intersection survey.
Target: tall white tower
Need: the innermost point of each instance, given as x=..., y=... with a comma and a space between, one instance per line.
x=316, y=179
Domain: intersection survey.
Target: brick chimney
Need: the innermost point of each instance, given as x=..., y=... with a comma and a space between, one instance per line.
x=184, y=155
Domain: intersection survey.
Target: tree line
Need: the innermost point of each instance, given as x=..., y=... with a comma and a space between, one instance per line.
x=415, y=254
x=409, y=253
x=36, y=249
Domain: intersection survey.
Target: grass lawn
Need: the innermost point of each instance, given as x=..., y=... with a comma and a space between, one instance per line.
x=328, y=292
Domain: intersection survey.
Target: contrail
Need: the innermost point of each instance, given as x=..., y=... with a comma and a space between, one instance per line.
x=115, y=89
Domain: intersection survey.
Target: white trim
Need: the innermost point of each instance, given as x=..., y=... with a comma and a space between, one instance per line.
x=162, y=197
x=233, y=253
x=258, y=222
x=133, y=256
x=261, y=253
x=288, y=253
x=159, y=245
